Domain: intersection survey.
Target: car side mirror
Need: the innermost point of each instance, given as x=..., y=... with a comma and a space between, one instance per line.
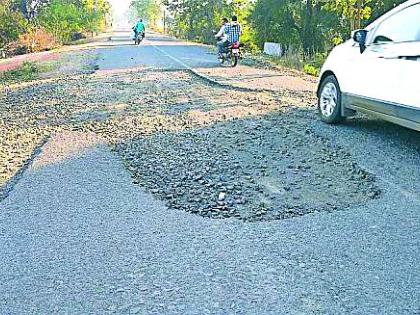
x=359, y=37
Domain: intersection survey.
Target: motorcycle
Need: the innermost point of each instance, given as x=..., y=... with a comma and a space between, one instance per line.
x=138, y=38
x=232, y=54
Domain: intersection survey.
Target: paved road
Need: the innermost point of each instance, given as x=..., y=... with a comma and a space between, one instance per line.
x=156, y=51
x=77, y=237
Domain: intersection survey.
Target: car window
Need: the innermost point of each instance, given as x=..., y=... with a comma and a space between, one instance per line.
x=403, y=26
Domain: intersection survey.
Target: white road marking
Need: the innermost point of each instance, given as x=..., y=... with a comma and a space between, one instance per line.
x=172, y=57
x=186, y=66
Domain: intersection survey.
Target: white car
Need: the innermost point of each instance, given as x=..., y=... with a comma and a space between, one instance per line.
x=377, y=71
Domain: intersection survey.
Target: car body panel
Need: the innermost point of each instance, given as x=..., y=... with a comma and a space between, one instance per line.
x=402, y=115
x=383, y=80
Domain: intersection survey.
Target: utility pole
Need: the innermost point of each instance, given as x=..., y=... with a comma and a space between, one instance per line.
x=164, y=21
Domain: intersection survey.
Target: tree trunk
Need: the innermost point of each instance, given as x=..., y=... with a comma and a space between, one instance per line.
x=24, y=8
x=308, y=30
x=358, y=15
x=190, y=28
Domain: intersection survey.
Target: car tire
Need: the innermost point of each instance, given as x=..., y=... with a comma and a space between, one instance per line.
x=329, y=101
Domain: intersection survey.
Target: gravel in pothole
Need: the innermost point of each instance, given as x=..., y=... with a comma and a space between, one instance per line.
x=250, y=169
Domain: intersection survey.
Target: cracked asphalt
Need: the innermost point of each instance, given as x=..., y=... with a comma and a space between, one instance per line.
x=80, y=233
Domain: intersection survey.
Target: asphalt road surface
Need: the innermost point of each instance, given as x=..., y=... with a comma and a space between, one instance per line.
x=155, y=51
x=78, y=237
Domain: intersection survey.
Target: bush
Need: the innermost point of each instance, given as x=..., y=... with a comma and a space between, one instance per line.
x=292, y=59
x=11, y=24
x=51, y=23
x=311, y=70
x=77, y=36
x=67, y=21
x=15, y=49
x=29, y=71
x=61, y=20
x=37, y=39
x=318, y=60
x=314, y=64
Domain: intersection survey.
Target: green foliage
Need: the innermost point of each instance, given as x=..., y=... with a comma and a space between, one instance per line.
x=63, y=18
x=293, y=23
x=148, y=10
x=311, y=70
x=11, y=23
x=29, y=71
x=308, y=29
x=198, y=19
x=93, y=14
x=31, y=20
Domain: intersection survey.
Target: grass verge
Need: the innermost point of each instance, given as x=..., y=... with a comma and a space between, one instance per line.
x=292, y=60
x=29, y=71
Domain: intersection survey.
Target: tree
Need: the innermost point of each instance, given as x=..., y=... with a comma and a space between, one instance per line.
x=197, y=19
x=293, y=23
x=61, y=20
x=29, y=8
x=64, y=18
x=149, y=10
x=11, y=23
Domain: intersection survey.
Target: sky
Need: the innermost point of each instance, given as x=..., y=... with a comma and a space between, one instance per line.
x=120, y=8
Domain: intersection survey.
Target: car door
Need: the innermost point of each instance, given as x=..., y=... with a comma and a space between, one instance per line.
x=390, y=66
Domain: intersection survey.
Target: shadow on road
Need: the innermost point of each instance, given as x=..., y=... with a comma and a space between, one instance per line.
x=381, y=127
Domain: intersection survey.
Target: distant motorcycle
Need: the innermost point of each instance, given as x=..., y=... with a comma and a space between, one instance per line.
x=231, y=55
x=138, y=38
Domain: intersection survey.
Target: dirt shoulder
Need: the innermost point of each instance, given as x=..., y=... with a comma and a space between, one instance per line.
x=262, y=79
x=255, y=72
x=62, y=65
x=16, y=62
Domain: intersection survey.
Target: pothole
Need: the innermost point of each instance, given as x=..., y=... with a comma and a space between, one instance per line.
x=252, y=169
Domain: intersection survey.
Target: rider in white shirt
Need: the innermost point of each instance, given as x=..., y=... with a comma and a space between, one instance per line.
x=221, y=36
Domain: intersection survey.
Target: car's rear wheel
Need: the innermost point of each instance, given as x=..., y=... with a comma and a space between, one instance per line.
x=329, y=101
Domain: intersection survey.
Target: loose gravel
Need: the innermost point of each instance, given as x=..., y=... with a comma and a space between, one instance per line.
x=253, y=169
x=207, y=150
x=118, y=106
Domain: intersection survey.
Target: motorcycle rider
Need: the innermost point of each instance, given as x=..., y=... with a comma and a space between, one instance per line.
x=233, y=32
x=222, y=37
x=139, y=28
